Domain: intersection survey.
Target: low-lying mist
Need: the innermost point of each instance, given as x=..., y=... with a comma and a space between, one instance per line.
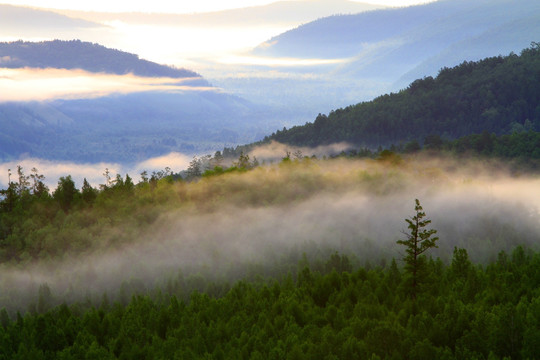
x=225, y=227
x=48, y=84
x=92, y=172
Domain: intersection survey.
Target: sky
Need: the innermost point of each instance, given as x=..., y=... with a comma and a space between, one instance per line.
x=194, y=45
x=169, y=6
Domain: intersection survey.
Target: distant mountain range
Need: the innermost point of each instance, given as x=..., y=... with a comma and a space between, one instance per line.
x=76, y=54
x=384, y=50
x=414, y=33
x=123, y=128
x=497, y=95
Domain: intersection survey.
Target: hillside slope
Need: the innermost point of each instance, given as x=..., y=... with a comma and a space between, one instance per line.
x=76, y=54
x=497, y=95
x=424, y=30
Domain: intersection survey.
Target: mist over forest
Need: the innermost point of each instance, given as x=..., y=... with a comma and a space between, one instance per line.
x=222, y=225
x=174, y=239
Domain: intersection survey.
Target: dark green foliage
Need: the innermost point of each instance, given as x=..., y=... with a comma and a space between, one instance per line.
x=36, y=224
x=519, y=150
x=523, y=146
x=88, y=193
x=66, y=193
x=418, y=241
x=499, y=95
x=327, y=309
x=344, y=314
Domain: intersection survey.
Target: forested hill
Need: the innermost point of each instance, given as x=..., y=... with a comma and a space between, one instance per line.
x=497, y=95
x=76, y=54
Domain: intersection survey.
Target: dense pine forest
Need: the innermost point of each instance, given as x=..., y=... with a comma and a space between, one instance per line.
x=340, y=292
x=326, y=311
x=498, y=95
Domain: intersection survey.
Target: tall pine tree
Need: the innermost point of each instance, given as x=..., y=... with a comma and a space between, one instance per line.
x=418, y=241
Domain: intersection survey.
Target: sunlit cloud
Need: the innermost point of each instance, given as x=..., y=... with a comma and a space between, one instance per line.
x=175, y=161
x=46, y=84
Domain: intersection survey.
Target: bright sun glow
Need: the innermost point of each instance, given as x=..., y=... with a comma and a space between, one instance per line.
x=168, y=6
x=155, y=6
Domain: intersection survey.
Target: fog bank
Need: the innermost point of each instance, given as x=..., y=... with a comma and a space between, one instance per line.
x=358, y=208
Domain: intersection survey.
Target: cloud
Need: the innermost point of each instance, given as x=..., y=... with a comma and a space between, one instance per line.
x=276, y=151
x=53, y=170
x=46, y=84
x=175, y=161
x=277, y=62
x=268, y=44
x=93, y=172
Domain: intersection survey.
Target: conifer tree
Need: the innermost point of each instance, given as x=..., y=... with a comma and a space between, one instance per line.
x=418, y=241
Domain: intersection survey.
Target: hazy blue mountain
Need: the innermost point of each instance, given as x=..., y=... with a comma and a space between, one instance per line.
x=76, y=54
x=440, y=23
x=382, y=51
x=508, y=37
x=129, y=128
x=340, y=36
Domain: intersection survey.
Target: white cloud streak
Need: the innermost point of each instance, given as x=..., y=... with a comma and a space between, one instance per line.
x=46, y=84
x=53, y=170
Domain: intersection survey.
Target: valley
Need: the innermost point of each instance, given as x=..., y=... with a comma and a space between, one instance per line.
x=303, y=180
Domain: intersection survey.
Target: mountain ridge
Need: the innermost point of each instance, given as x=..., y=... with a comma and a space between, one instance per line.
x=77, y=54
x=496, y=94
